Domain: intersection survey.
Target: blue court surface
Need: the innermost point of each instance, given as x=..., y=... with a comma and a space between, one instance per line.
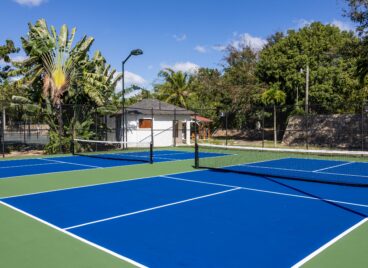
x=23, y=167
x=207, y=218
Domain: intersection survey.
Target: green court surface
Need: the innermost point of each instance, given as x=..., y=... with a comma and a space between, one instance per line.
x=26, y=242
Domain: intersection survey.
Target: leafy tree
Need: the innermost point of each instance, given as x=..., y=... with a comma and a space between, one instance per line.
x=241, y=85
x=176, y=88
x=328, y=52
x=208, y=94
x=358, y=13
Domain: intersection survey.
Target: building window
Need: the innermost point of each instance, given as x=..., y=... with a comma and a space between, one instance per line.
x=145, y=123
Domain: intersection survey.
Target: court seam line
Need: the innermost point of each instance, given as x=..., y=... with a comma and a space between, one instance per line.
x=329, y=243
x=29, y=165
x=305, y=171
x=103, y=183
x=151, y=209
x=70, y=163
x=340, y=165
x=81, y=239
x=272, y=192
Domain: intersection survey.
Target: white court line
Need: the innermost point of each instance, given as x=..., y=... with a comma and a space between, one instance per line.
x=92, y=185
x=328, y=244
x=45, y=164
x=69, y=163
x=305, y=171
x=153, y=208
x=121, y=257
x=119, y=181
x=344, y=164
x=272, y=192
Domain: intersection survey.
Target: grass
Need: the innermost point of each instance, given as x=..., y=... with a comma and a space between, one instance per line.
x=26, y=242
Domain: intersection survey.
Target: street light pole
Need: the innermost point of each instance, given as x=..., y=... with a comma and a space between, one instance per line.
x=135, y=52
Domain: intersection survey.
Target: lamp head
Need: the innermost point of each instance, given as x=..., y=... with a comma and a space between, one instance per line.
x=136, y=52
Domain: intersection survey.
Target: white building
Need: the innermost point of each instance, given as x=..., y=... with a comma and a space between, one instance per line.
x=168, y=124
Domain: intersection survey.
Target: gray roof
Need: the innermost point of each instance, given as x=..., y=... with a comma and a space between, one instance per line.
x=159, y=107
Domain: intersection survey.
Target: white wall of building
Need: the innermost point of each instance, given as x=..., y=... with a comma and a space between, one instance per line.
x=163, y=129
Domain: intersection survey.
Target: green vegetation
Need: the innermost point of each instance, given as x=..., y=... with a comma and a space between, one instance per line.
x=57, y=77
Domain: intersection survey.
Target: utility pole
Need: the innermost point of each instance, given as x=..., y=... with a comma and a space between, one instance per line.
x=307, y=90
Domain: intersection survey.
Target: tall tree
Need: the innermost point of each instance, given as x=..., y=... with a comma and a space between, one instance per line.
x=328, y=52
x=274, y=96
x=176, y=88
x=58, y=73
x=5, y=68
x=358, y=13
x=241, y=84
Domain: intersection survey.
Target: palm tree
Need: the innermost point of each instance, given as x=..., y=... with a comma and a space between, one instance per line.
x=60, y=73
x=176, y=88
x=274, y=96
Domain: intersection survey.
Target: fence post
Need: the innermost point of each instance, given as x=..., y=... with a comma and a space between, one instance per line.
x=2, y=133
x=96, y=129
x=263, y=127
x=362, y=127
x=307, y=129
x=226, y=125
x=175, y=132
x=196, y=148
x=152, y=118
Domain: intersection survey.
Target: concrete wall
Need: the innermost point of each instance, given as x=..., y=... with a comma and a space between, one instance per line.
x=334, y=131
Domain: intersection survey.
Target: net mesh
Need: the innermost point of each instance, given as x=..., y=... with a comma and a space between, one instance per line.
x=348, y=168
x=114, y=150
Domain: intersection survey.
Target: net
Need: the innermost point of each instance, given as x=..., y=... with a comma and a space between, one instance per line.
x=349, y=168
x=114, y=150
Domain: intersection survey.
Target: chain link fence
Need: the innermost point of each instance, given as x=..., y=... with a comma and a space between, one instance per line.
x=52, y=131
x=289, y=127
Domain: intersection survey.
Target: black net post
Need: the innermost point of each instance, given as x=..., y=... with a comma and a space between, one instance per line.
x=196, y=148
x=151, y=153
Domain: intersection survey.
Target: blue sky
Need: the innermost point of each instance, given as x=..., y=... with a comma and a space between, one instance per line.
x=180, y=34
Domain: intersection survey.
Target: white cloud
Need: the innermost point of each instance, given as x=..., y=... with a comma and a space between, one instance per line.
x=131, y=79
x=13, y=58
x=246, y=39
x=30, y=2
x=19, y=58
x=344, y=26
x=187, y=67
x=200, y=49
x=219, y=47
x=180, y=37
x=301, y=23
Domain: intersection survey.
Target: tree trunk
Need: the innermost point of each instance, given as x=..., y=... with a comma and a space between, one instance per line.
x=274, y=126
